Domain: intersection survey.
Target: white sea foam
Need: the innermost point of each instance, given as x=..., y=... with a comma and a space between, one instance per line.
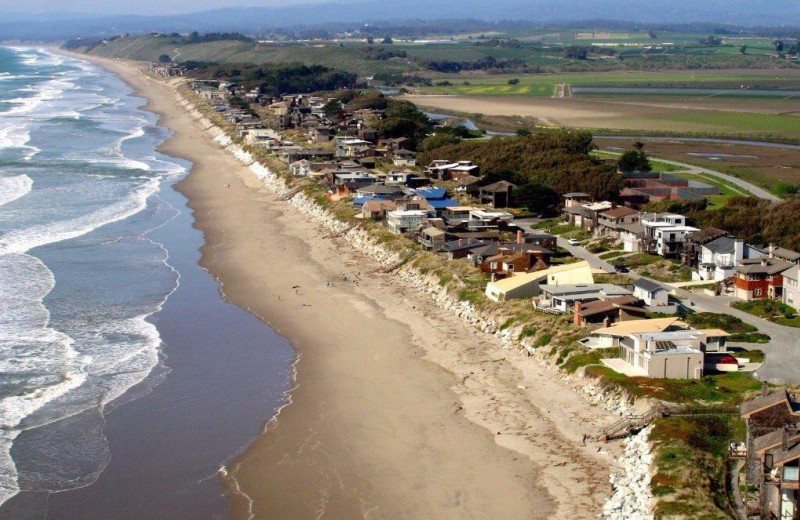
x=22, y=240
x=27, y=346
x=13, y=188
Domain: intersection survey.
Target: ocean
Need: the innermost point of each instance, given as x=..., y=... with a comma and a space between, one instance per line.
x=103, y=351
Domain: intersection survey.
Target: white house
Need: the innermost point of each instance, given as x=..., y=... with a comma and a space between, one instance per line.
x=791, y=287
x=402, y=221
x=653, y=294
x=300, y=168
x=716, y=260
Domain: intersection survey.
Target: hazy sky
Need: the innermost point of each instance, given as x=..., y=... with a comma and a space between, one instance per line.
x=135, y=7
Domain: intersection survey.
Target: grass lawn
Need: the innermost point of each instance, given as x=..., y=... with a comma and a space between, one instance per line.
x=771, y=310
x=739, y=331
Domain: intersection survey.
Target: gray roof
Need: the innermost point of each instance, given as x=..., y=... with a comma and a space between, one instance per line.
x=721, y=245
x=788, y=254
x=647, y=285
x=763, y=265
x=765, y=401
x=584, y=291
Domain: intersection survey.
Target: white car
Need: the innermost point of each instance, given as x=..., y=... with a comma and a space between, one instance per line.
x=573, y=242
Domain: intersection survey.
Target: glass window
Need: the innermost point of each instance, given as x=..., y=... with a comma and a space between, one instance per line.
x=757, y=292
x=790, y=474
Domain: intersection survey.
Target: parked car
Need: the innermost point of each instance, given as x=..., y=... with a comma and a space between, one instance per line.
x=621, y=268
x=573, y=242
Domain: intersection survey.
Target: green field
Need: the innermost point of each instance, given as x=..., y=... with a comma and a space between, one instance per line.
x=543, y=85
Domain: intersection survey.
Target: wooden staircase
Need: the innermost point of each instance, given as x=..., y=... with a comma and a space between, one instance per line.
x=634, y=423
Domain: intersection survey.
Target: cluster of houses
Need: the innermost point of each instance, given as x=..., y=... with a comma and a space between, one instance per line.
x=343, y=156
x=748, y=271
x=772, y=453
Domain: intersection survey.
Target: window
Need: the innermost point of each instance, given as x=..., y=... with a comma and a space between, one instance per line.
x=757, y=292
x=790, y=474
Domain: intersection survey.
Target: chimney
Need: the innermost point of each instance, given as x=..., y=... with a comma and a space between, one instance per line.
x=764, y=261
x=764, y=388
x=519, y=236
x=577, y=318
x=738, y=250
x=771, y=250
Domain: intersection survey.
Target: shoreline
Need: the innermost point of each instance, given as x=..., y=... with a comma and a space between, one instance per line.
x=372, y=428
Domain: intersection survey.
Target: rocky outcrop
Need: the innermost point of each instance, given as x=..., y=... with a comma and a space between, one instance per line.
x=632, y=498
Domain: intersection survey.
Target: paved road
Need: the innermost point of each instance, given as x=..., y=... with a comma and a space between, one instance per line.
x=782, y=364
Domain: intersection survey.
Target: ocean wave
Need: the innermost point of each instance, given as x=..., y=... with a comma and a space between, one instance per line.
x=27, y=346
x=22, y=240
x=13, y=188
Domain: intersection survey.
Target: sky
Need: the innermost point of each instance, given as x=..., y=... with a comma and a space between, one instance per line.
x=150, y=7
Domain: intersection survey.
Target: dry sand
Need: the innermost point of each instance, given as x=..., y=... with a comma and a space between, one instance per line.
x=398, y=411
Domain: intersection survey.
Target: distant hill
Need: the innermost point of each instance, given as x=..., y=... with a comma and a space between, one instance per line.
x=748, y=13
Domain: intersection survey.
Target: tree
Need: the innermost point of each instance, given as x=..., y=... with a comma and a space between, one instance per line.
x=370, y=40
x=652, y=35
x=524, y=132
x=778, y=44
x=387, y=40
x=634, y=161
x=536, y=197
x=164, y=58
x=332, y=108
x=783, y=188
x=743, y=49
x=513, y=81
x=438, y=140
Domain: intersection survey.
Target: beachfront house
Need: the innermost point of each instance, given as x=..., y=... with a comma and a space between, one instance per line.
x=403, y=221
x=612, y=335
x=527, y=285
x=562, y=297
x=678, y=354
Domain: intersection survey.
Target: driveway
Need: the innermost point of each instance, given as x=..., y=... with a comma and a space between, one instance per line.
x=782, y=365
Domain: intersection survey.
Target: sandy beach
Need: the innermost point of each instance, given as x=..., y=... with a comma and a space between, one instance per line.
x=398, y=409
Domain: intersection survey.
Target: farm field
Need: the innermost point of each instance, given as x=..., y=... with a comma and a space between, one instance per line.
x=776, y=119
x=544, y=84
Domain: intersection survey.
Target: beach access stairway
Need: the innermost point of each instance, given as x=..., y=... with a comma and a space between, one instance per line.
x=634, y=423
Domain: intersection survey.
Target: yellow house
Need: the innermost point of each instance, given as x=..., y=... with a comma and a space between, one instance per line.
x=526, y=285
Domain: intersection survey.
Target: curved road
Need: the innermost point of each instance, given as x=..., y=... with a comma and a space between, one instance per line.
x=755, y=190
x=690, y=168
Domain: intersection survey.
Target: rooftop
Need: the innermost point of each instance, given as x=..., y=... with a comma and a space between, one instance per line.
x=640, y=326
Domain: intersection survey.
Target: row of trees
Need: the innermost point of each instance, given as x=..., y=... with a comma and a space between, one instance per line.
x=485, y=63
x=275, y=79
x=558, y=160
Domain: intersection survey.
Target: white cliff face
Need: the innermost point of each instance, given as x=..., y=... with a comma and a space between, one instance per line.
x=632, y=498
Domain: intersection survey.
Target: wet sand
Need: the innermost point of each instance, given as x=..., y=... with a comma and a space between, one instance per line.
x=398, y=411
